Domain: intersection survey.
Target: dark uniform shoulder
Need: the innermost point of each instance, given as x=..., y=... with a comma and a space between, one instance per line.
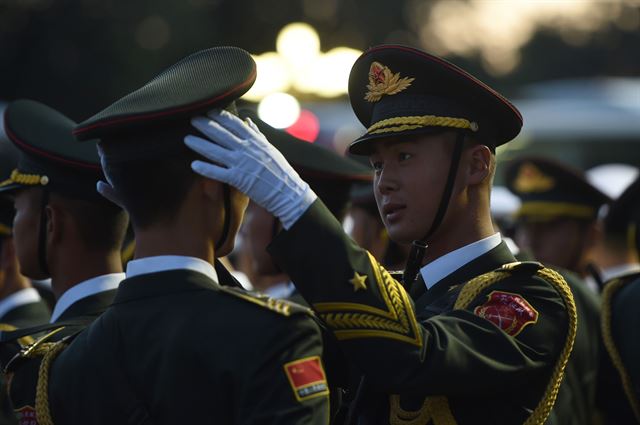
x=281, y=307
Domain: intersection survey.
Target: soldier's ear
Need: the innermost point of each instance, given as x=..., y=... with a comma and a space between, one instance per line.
x=212, y=189
x=479, y=164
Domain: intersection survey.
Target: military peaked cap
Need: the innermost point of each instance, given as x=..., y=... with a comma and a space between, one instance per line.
x=550, y=190
x=49, y=156
x=205, y=80
x=399, y=90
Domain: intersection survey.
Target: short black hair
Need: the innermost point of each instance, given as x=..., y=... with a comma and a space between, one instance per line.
x=102, y=224
x=152, y=185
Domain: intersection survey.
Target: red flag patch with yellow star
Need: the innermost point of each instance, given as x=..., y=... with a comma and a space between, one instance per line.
x=307, y=378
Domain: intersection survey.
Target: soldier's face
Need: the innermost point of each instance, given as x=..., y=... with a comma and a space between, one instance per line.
x=26, y=231
x=239, y=202
x=410, y=175
x=558, y=242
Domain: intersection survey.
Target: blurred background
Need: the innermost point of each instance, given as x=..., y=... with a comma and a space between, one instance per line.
x=571, y=66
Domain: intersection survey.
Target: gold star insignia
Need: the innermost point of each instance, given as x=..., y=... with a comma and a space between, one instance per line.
x=358, y=282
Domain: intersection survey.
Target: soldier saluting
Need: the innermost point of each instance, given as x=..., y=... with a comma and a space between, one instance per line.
x=484, y=339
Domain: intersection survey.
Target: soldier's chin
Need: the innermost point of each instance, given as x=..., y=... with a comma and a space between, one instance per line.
x=400, y=235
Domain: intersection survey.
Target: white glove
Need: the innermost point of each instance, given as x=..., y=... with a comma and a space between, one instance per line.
x=244, y=158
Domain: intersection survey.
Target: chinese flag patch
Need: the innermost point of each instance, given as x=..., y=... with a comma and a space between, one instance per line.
x=26, y=415
x=510, y=312
x=307, y=378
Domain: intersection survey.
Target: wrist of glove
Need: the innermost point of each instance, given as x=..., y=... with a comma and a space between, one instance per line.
x=242, y=157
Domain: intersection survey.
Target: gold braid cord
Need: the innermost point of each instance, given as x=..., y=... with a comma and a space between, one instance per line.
x=397, y=321
x=437, y=408
x=26, y=179
x=609, y=291
x=43, y=414
x=398, y=124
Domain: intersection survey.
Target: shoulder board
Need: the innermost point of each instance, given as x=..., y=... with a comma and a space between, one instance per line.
x=283, y=307
x=522, y=267
x=627, y=278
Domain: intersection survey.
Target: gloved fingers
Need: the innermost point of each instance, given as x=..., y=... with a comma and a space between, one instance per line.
x=251, y=124
x=211, y=171
x=216, y=132
x=209, y=150
x=237, y=126
x=107, y=191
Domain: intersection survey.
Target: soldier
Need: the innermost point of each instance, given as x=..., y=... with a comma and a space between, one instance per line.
x=20, y=303
x=616, y=254
x=63, y=229
x=557, y=218
x=176, y=346
x=555, y=203
x=330, y=175
x=488, y=340
x=621, y=323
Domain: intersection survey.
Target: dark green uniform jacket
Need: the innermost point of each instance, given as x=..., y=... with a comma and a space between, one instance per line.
x=25, y=371
x=480, y=353
x=576, y=400
x=177, y=348
x=25, y=315
x=619, y=395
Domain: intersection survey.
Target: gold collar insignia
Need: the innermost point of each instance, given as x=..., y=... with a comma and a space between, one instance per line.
x=384, y=82
x=531, y=179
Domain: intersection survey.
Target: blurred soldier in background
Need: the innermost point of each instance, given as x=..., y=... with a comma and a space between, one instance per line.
x=557, y=219
x=616, y=252
x=619, y=388
x=330, y=175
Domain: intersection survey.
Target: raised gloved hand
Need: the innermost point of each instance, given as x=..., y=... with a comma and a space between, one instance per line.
x=244, y=158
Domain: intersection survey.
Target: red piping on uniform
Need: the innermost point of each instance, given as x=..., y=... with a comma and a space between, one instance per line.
x=167, y=112
x=45, y=154
x=451, y=67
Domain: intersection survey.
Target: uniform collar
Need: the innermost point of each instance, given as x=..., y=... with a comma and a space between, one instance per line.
x=619, y=270
x=95, y=285
x=280, y=290
x=442, y=267
x=17, y=299
x=163, y=263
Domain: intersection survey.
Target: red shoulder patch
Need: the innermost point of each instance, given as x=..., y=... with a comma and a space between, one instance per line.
x=510, y=312
x=26, y=415
x=307, y=378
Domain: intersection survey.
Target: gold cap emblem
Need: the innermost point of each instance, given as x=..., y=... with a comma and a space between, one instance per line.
x=531, y=179
x=384, y=82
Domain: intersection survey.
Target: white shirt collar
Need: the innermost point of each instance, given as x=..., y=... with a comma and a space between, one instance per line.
x=619, y=270
x=442, y=267
x=17, y=299
x=162, y=263
x=105, y=282
x=280, y=290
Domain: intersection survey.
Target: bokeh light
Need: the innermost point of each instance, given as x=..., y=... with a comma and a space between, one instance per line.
x=279, y=110
x=306, y=127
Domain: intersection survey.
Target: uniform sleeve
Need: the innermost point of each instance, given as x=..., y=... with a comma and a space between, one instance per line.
x=510, y=332
x=287, y=382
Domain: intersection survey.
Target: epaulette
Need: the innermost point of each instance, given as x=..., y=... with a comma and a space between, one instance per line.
x=522, y=267
x=36, y=349
x=283, y=307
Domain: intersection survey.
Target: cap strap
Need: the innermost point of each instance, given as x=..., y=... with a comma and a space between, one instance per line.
x=398, y=124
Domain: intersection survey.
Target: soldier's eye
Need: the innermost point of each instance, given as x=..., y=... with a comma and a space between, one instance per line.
x=403, y=156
